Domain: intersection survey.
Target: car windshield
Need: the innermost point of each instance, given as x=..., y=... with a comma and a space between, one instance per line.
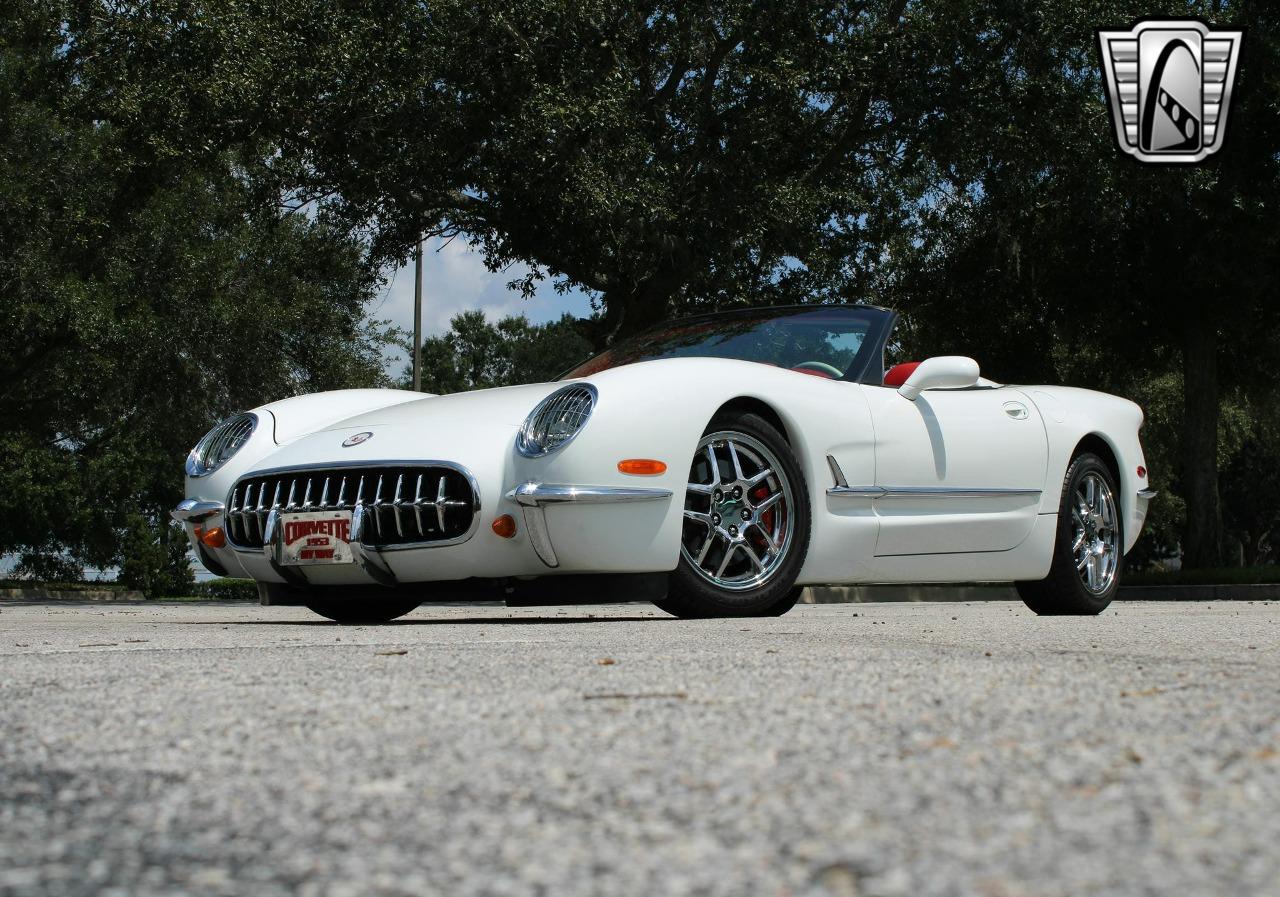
x=825, y=340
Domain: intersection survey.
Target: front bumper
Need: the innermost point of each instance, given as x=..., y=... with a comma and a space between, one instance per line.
x=533, y=499
x=568, y=527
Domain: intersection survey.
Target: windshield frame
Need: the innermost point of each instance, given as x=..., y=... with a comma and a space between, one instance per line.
x=867, y=365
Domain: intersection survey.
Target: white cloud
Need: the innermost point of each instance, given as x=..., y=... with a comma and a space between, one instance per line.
x=454, y=279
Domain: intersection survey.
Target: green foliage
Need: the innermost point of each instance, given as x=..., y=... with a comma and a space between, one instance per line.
x=144, y=294
x=195, y=199
x=1251, y=481
x=1056, y=258
x=225, y=590
x=476, y=354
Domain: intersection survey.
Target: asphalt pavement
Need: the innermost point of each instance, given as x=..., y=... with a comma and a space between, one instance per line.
x=875, y=749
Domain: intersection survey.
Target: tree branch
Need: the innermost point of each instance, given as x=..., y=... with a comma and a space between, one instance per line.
x=855, y=125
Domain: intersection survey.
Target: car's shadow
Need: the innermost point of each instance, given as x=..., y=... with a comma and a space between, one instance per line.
x=451, y=621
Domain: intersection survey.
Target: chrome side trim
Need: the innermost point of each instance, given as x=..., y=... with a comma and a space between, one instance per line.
x=536, y=494
x=836, y=473
x=1148, y=493
x=846, y=491
x=533, y=498
x=193, y=510
x=878, y=492
x=949, y=492
x=535, y=523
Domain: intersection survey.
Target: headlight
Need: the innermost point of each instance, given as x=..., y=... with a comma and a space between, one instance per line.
x=220, y=443
x=556, y=420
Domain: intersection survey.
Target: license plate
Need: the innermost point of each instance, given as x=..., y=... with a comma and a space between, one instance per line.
x=316, y=537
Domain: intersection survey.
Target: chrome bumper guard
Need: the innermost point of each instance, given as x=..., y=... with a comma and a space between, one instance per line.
x=368, y=557
x=1147, y=493
x=192, y=510
x=534, y=497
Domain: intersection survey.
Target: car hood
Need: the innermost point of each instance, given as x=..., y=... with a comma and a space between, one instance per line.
x=505, y=406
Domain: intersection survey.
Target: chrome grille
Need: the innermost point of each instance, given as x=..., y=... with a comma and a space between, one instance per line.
x=404, y=504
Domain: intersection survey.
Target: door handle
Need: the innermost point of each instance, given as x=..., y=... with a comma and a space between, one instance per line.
x=1015, y=410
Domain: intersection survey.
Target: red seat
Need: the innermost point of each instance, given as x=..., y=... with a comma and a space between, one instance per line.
x=898, y=374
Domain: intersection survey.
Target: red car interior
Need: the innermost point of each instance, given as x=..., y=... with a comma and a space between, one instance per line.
x=898, y=374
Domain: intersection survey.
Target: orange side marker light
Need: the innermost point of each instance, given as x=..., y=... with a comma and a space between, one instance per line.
x=505, y=526
x=642, y=467
x=215, y=537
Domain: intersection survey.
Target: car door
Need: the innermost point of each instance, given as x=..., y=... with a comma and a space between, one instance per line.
x=957, y=470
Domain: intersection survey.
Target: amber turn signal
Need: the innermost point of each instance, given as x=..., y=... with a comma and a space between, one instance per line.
x=642, y=467
x=215, y=537
x=505, y=526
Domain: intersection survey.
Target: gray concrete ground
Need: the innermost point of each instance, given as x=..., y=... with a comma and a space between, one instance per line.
x=905, y=749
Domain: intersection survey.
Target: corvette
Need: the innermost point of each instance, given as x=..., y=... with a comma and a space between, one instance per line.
x=714, y=465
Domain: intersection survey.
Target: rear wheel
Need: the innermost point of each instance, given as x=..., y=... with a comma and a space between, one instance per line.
x=1088, y=553
x=746, y=524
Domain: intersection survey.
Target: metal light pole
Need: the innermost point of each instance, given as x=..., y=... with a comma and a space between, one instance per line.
x=417, y=317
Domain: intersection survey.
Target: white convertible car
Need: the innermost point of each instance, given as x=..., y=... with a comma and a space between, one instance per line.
x=714, y=465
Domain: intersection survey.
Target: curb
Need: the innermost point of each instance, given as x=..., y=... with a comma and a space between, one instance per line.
x=1001, y=592
x=812, y=595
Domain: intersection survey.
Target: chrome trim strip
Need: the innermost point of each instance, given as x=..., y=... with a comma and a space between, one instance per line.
x=535, y=494
x=193, y=510
x=535, y=523
x=949, y=492
x=335, y=465
x=533, y=497
x=837, y=473
x=1148, y=493
x=878, y=492
x=847, y=491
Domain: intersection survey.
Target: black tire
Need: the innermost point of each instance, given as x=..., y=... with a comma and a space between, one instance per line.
x=363, y=609
x=342, y=604
x=1064, y=591
x=692, y=595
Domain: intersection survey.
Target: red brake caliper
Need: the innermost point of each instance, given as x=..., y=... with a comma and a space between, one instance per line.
x=759, y=494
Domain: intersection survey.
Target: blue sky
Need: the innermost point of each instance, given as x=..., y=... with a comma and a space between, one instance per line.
x=455, y=279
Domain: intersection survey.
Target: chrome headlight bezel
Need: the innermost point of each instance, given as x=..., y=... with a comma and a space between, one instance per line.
x=221, y=444
x=534, y=441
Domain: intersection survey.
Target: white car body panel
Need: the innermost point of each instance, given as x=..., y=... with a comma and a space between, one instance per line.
x=966, y=439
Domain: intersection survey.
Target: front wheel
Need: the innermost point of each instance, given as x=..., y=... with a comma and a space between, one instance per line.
x=352, y=605
x=1088, y=551
x=746, y=524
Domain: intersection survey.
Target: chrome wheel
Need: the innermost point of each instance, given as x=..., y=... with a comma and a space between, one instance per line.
x=738, y=522
x=1096, y=543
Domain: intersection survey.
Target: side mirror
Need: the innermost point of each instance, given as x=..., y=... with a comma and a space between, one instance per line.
x=943, y=372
